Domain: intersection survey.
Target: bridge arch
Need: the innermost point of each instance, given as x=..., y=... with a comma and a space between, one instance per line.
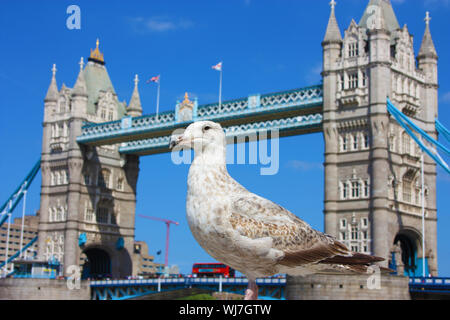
x=409, y=240
x=97, y=263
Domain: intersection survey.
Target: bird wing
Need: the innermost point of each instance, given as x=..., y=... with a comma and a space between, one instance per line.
x=255, y=217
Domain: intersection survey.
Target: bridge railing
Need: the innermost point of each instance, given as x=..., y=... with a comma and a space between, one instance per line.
x=435, y=282
x=241, y=110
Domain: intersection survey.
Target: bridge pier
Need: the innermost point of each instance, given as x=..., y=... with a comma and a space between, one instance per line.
x=345, y=287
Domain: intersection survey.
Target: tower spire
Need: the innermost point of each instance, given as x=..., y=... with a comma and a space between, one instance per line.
x=52, y=92
x=135, y=107
x=80, y=88
x=427, y=49
x=333, y=33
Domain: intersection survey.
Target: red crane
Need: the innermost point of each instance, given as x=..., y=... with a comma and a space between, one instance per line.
x=167, y=222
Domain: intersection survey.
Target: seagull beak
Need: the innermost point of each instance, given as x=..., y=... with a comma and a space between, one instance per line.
x=175, y=140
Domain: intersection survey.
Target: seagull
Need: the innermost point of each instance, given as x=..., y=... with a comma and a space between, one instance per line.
x=249, y=233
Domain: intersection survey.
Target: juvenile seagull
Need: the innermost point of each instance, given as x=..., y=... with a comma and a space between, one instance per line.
x=249, y=233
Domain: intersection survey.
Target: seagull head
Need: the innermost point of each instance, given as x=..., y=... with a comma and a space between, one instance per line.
x=200, y=136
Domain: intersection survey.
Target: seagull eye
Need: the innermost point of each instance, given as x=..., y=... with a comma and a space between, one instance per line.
x=206, y=128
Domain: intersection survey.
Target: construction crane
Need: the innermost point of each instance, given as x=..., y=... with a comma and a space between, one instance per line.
x=168, y=223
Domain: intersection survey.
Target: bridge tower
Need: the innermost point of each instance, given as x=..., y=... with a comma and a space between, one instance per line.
x=372, y=167
x=88, y=194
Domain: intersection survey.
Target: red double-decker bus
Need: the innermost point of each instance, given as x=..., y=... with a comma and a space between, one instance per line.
x=212, y=270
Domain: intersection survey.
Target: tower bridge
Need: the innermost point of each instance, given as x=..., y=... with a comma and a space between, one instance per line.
x=291, y=112
x=92, y=144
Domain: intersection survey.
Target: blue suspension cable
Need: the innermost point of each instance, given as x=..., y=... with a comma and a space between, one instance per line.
x=401, y=120
x=442, y=130
x=393, y=109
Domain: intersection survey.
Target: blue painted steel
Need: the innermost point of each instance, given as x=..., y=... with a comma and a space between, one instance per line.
x=82, y=239
x=435, y=284
x=304, y=98
x=401, y=119
x=120, y=244
x=8, y=207
x=272, y=288
x=442, y=130
x=313, y=121
x=395, y=111
x=19, y=252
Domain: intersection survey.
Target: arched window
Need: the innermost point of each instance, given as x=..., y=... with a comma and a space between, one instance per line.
x=406, y=143
x=407, y=186
x=345, y=192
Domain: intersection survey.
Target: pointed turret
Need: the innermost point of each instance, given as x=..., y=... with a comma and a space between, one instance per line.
x=135, y=107
x=52, y=92
x=377, y=11
x=427, y=49
x=333, y=33
x=80, y=88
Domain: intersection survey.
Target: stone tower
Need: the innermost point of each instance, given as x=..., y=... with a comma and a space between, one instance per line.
x=88, y=194
x=372, y=167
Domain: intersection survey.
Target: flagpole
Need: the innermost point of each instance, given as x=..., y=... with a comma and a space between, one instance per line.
x=220, y=89
x=157, y=97
x=423, y=216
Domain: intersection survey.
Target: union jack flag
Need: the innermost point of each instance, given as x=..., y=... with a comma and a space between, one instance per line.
x=153, y=79
x=218, y=66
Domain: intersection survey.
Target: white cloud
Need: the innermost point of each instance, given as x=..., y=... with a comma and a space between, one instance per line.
x=445, y=97
x=159, y=24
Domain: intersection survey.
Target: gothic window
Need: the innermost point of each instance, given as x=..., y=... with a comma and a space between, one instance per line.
x=364, y=79
x=406, y=143
x=344, y=145
x=89, y=215
x=354, y=233
x=366, y=140
x=355, y=189
x=343, y=223
x=102, y=215
x=345, y=192
x=52, y=179
x=407, y=186
x=341, y=82
x=366, y=189
x=110, y=116
x=355, y=141
x=364, y=223
x=353, y=80
x=353, y=50
x=342, y=236
x=103, y=114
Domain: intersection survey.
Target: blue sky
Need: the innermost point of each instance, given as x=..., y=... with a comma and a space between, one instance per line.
x=266, y=46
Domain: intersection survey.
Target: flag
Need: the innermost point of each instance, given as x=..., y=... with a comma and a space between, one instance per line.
x=154, y=79
x=218, y=66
